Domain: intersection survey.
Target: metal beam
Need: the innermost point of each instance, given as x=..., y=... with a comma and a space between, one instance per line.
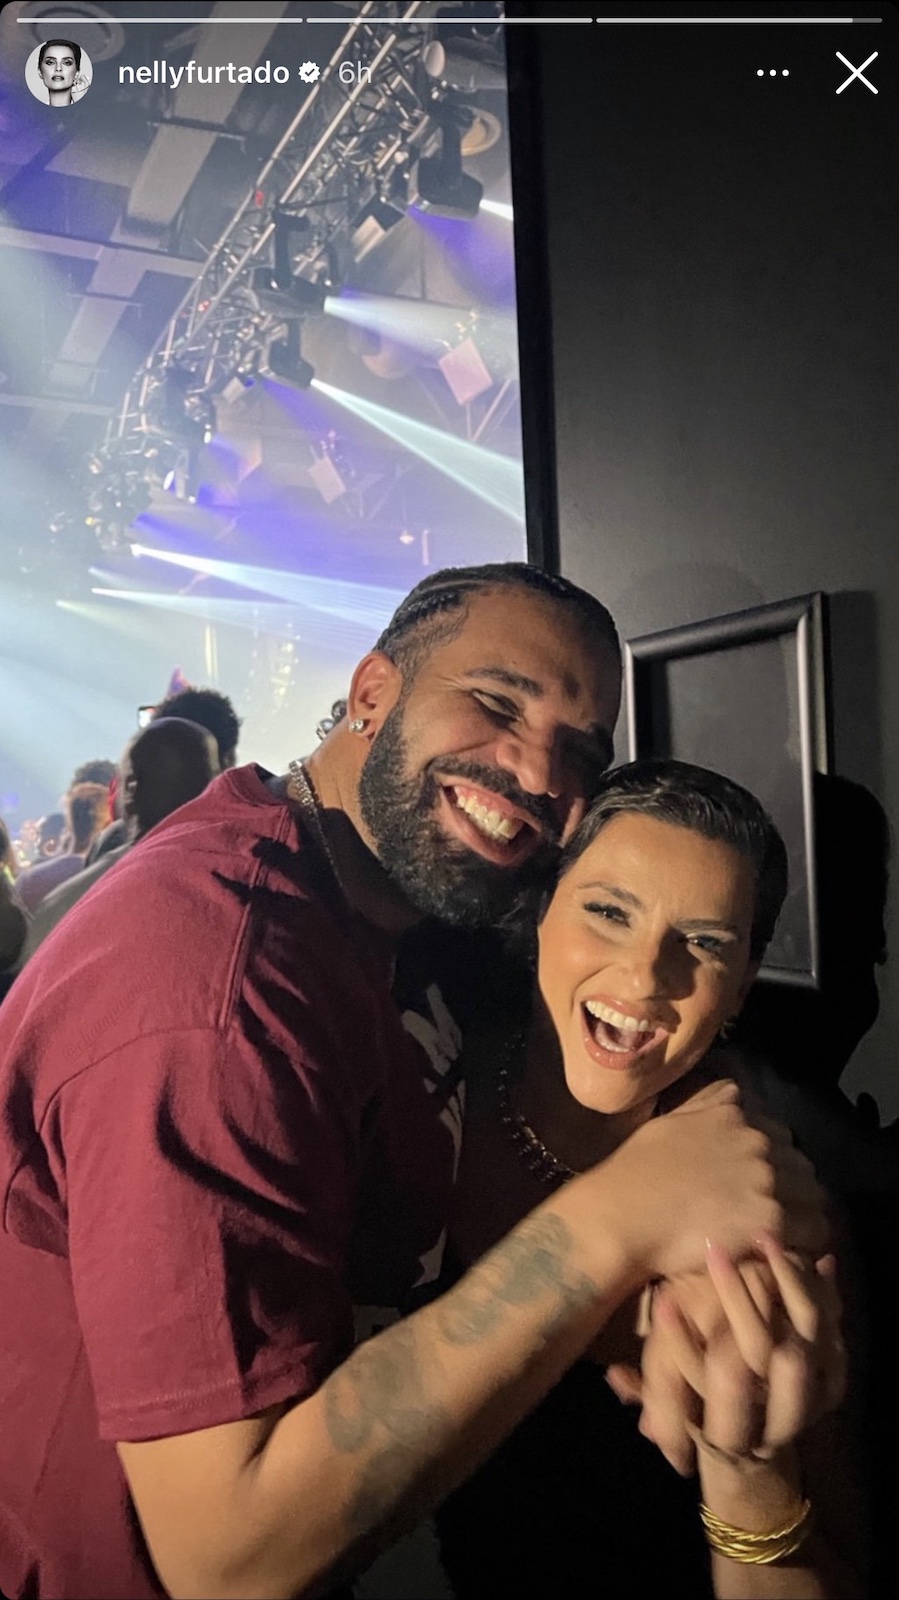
x=44, y=402
x=64, y=244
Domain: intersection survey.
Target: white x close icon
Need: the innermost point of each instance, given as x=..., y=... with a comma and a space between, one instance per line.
x=857, y=72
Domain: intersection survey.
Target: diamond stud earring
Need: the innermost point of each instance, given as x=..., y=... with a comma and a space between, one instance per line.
x=357, y=725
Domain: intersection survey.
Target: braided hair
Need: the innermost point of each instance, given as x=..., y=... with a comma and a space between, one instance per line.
x=435, y=610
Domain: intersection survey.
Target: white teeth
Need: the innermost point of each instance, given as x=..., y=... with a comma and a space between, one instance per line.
x=492, y=823
x=617, y=1019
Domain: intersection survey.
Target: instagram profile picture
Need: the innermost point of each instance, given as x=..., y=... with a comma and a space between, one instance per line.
x=58, y=72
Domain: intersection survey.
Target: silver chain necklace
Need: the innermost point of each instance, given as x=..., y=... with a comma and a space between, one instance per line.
x=300, y=789
x=534, y=1153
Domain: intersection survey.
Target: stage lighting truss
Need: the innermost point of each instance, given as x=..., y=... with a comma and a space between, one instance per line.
x=342, y=170
x=350, y=143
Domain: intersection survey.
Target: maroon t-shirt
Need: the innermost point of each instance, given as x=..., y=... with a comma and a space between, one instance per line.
x=217, y=1138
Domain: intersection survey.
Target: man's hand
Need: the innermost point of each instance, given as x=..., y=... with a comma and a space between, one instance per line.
x=706, y=1170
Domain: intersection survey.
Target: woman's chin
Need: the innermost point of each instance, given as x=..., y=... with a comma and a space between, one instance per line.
x=605, y=1094
x=616, y=1090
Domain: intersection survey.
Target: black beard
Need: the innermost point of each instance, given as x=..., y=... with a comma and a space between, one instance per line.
x=439, y=876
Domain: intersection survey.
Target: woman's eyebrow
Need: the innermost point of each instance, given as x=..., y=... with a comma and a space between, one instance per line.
x=624, y=895
x=688, y=925
x=695, y=924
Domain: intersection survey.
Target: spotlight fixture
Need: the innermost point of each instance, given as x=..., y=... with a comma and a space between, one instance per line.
x=372, y=224
x=171, y=398
x=284, y=360
x=309, y=296
x=301, y=296
x=467, y=73
x=287, y=226
x=439, y=185
x=235, y=388
x=198, y=409
x=178, y=410
x=278, y=290
x=466, y=58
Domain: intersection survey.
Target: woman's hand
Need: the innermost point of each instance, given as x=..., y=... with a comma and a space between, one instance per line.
x=743, y=1368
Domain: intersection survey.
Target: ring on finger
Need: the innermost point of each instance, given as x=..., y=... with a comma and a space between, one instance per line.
x=731, y=1458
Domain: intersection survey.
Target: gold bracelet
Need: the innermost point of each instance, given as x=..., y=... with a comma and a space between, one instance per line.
x=757, y=1549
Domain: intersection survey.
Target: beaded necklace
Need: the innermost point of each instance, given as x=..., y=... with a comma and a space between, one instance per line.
x=536, y=1155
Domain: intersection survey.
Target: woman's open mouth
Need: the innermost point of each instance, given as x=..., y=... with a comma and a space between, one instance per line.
x=616, y=1038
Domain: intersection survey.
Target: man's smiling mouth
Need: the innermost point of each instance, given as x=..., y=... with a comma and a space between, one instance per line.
x=490, y=822
x=493, y=827
x=497, y=819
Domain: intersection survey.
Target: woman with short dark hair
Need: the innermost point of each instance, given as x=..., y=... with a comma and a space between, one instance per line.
x=667, y=895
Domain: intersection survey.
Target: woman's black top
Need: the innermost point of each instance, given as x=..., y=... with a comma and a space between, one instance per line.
x=576, y=1502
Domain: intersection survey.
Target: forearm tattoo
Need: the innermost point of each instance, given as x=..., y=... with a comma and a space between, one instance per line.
x=380, y=1384
x=533, y=1262
x=384, y=1401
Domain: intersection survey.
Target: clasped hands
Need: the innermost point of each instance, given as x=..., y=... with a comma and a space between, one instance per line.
x=739, y=1361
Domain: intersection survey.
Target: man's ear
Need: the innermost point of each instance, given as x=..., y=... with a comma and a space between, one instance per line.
x=374, y=691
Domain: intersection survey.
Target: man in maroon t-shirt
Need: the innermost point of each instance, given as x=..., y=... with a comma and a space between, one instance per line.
x=219, y=1138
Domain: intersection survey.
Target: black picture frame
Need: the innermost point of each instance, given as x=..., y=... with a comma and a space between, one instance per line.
x=746, y=695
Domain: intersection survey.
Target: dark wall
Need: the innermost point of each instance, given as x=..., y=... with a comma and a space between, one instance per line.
x=723, y=261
